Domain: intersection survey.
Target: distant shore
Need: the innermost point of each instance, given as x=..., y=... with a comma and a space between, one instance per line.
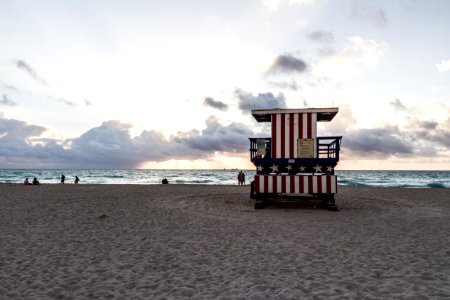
x=207, y=241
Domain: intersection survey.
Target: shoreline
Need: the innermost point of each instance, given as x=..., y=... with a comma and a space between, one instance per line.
x=207, y=241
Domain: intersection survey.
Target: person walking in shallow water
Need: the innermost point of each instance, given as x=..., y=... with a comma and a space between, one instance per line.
x=63, y=178
x=77, y=179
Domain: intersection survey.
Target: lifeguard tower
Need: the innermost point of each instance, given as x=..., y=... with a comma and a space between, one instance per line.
x=294, y=163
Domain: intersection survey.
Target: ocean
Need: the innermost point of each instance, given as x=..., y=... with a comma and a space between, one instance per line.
x=404, y=179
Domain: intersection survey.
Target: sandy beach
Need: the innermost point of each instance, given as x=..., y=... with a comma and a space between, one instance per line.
x=203, y=242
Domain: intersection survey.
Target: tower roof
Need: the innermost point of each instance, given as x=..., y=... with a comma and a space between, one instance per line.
x=323, y=114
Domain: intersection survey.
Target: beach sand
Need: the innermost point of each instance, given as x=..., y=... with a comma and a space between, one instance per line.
x=199, y=241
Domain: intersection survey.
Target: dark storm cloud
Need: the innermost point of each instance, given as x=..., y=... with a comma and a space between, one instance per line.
x=397, y=104
x=287, y=63
x=320, y=36
x=23, y=65
x=215, y=103
x=263, y=100
x=5, y=100
x=111, y=146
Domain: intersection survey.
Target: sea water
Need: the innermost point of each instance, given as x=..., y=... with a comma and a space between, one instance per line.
x=406, y=179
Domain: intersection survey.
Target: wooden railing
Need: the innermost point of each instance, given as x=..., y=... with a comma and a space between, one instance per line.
x=326, y=147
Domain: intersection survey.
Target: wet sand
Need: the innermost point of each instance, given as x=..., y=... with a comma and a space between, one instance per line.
x=199, y=241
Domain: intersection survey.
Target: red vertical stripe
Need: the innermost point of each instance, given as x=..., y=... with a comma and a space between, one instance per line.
x=328, y=183
x=291, y=136
x=310, y=184
x=274, y=135
x=266, y=183
x=309, y=126
x=283, y=184
x=300, y=126
x=283, y=135
x=256, y=183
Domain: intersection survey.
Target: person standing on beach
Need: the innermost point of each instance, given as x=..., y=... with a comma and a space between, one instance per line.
x=63, y=178
x=77, y=179
x=239, y=177
x=242, y=178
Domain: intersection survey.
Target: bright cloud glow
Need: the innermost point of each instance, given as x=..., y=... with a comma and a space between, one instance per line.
x=357, y=56
x=274, y=5
x=443, y=65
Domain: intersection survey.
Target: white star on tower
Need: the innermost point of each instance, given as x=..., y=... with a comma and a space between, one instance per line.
x=318, y=169
x=329, y=169
x=274, y=168
x=302, y=169
x=289, y=167
x=259, y=168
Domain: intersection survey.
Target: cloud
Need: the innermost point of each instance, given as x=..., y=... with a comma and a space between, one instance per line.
x=385, y=141
x=356, y=56
x=287, y=84
x=369, y=143
x=417, y=139
x=19, y=130
x=66, y=102
x=320, y=36
x=369, y=11
x=110, y=145
x=431, y=131
x=21, y=64
x=326, y=51
x=87, y=102
x=274, y=5
x=10, y=87
x=287, y=63
x=5, y=100
x=397, y=104
x=216, y=137
x=443, y=66
x=215, y=104
x=265, y=100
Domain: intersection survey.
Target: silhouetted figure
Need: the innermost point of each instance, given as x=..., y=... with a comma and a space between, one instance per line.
x=35, y=181
x=26, y=182
x=165, y=181
x=77, y=179
x=239, y=177
x=63, y=178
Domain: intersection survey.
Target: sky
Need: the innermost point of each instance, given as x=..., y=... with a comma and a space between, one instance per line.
x=171, y=84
